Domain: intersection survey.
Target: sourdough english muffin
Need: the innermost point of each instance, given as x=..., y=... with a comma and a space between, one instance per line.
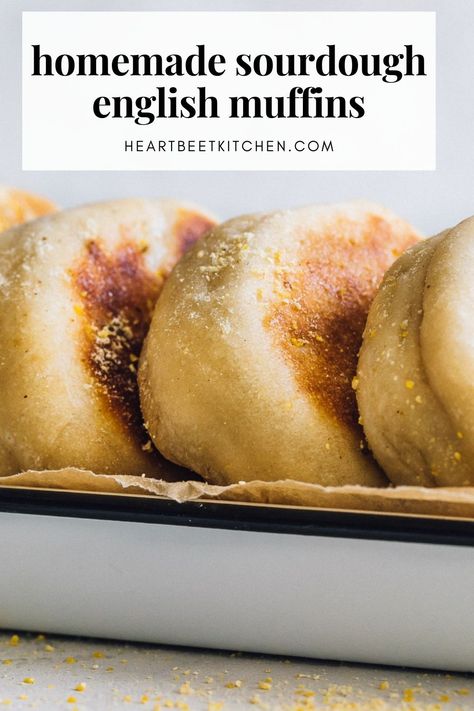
x=77, y=290
x=17, y=206
x=246, y=372
x=416, y=367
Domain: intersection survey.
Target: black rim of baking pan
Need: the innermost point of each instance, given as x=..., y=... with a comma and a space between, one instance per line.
x=335, y=523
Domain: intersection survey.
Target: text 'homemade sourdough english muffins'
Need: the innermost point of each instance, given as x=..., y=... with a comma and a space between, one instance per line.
x=77, y=290
x=416, y=367
x=17, y=207
x=247, y=369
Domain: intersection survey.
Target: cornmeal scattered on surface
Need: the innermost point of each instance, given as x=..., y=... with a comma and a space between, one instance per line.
x=305, y=692
x=186, y=689
x=285, y=690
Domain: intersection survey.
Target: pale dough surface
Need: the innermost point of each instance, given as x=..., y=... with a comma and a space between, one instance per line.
x=247, y=369
x=77, y=289
x=416, y=367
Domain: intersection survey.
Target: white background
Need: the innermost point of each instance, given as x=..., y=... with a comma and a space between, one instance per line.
x=397, y=132
x=431, y=200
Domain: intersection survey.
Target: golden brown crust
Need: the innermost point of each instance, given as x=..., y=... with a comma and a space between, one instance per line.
x=116, y=294
x=17, y=207
x=319, y=327
x=188, y=228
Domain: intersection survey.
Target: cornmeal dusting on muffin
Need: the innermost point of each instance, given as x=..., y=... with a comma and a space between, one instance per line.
x=225, y=257
x=297, y=342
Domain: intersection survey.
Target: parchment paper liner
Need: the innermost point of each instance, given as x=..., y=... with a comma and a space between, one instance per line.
x=446, y=501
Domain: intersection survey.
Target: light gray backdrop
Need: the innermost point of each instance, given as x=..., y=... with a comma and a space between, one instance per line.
x=431, y=200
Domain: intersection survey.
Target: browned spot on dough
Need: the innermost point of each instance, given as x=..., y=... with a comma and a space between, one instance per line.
x=334, y=288
x=117, y=293
x=188, y=228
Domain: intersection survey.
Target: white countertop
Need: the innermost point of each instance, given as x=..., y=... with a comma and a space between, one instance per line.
x=50, y=672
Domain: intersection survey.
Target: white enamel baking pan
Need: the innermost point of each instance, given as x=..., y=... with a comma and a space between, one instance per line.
x=389, y=589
